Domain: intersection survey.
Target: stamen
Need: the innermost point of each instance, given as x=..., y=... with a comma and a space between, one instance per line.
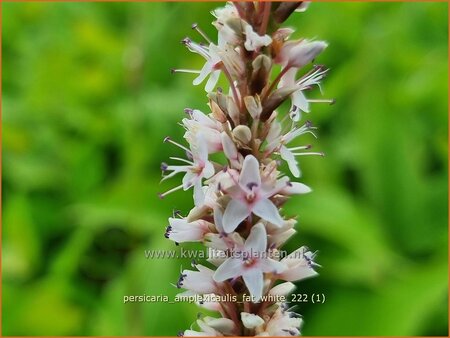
x=310, y=153
x=181, y=70
x=181, y=160
x=309, y=146
x=199, y=31
x=162, y=195
x=168, y=139
x=329, y=101
x=168, y=230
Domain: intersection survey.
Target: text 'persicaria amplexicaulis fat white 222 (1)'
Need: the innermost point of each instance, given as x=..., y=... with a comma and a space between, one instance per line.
x=238, y=202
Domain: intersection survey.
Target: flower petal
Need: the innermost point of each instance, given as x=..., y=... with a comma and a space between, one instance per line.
x=231, y=268
x=250, y=173
x=234, y=214
x=265, y=209
x=253, y=279
x=299, y=100
x=257, y=240
x=212, y=81
x=251, y=320
x=271, y=265
x=287, y=155
x=207, y=68
x=199, y=195
x=295, y=188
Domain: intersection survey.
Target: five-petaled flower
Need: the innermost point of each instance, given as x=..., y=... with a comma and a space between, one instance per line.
x=250, y=195
x=250, y=262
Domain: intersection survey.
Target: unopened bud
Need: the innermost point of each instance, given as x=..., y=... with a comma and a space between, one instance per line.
x=253, y=105
x=218, y=114
x=282, y=289
x=261, y=68
x=242, y=134
x=251, y=320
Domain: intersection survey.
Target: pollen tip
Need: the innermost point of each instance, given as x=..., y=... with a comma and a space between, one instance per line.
x=194, y=25
x=188, y=111
x=167, y=139
x=333, y=101
x=164, y=166
x=173, y=70
x=186, y=41
x=161, y=196
x=322, y=154
x=308, y=146
x=308, y=124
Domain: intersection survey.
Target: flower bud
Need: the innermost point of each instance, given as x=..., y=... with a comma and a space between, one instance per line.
x=251, y=320
x=282, y=289
x=217, y=113
x=261, y=68
x=253, y=105
x=242, y=134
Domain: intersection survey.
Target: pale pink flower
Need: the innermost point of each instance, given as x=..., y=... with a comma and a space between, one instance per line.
x=210, y=130
x=250, y=195
x=198, y=282
x=298, y=53
x=211, y=67
x=226, y=35
x=299, y=100
x=180, y=230
x=300, y=265
x=282, y=324
x=250, y=263
x=194, y=170
x=277, y=141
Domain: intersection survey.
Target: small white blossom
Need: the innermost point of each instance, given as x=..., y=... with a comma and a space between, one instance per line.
x=251, y=262
x=250, y=195
x=254, y=41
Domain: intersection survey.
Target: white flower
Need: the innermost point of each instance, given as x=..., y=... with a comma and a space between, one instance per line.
x=195, y=170
x=250, y=263
x=253, y=40
x=282, y=324
x=226, y=36
x=249, y=195
x=300, y=265
x=299, y=101
x=276, y=141
x=198, y=282
x=199, y=123
x=180, y=230
x=300, y=52
x=211, y=66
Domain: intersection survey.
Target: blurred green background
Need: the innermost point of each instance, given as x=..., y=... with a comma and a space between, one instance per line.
x=88, y=98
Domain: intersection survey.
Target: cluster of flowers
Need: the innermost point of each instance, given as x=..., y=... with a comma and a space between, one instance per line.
x=237, y=203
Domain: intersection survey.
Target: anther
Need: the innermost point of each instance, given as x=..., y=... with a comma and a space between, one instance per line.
x=186, y=41
x=199, y=31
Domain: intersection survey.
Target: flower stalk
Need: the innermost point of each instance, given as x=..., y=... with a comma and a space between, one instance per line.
x=238, y=203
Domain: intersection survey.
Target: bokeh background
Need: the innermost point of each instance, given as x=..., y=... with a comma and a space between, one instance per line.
x=87, y=99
